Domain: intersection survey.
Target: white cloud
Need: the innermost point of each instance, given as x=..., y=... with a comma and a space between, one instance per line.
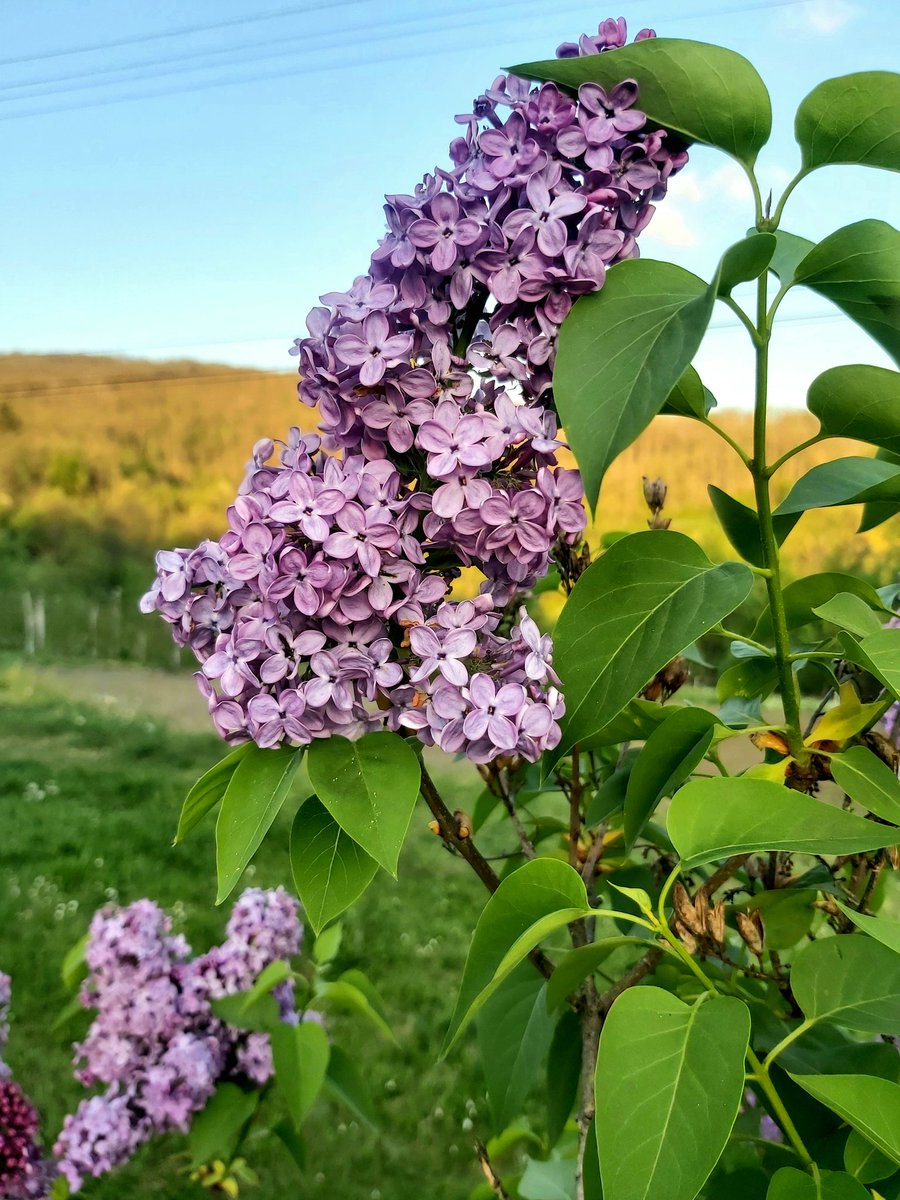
x=671, y=227
x=818, y=16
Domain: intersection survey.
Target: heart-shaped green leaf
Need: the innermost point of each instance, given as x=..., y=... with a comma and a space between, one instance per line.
x=860, y=402
x=741, y=525
x=669, y=1083
x=208, y=791
x=843, y=481
x=868, y=781
x=537, y=890
x=370, y=787
x=705, y=93
x=871, y=1105
x=715, y=818
x=858, y=269
x=853, y=119
x=633, y=610
x=330, y=869
x=256, y=791
x=849, y=981
x=300, y=1056
x=669, y=756
x=622, y=350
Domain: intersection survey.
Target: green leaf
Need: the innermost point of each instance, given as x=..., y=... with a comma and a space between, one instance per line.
x=804, y=596
x=343, y=995
x=74, y=965
x=871, y=1105
x=790, y=251
x=843, y=481
x=669, y=756
x=216, y=1129
x=852, y=119
x=861, y=402
x=300, y=1055
x=669, y=1083
x=705, y=93
x=743, y=261
x=209, y=790
x=537, y=889
x=330, y=869
x=876, y=512
x=881, y=928
x=849, y=981
x=292, y=1142
x=715, y=818
x=563, y=1073
x=878, y=653
x=344, y=1081
x=741, y=525
x=858, y=269
x=789, y=1183
x=865, y=1161
x=514, y=1035
x=621, y=352
x=751, y=678
x=269, y=978
x=328, y=944
x=689, y=397
x=370, y=787
x=262, y=1016
x=634, y=723
x=631, y=613
x=849, y=612
x=575, y=966
x=255, y=793
x=548, y=1180
x=868, y=781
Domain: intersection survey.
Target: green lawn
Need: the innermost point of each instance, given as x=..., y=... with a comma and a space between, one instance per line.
x=88, y=805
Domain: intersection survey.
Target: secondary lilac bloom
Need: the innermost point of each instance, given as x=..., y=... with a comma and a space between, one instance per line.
x=444, y=232
x=258, y=543
x=549, y=110
x=441, y=652
x=333, y=676
x=508, y=267
x=274, y=719
x=499, y=354
x=374, y=350
x=453, y=441
x=493, y=710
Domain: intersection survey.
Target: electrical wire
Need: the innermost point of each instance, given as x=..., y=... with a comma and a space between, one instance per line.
x=313, y=69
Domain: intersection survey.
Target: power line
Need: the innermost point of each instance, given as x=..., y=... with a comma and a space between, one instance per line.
x=182, y=31
x=328, y=40
x=331, y=67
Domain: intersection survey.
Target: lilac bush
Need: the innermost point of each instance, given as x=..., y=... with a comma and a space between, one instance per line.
x=155, y=1045
x=323, y=609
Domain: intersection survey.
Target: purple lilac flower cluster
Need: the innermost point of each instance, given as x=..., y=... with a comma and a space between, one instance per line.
x=322, y=609
x=24, y=1174
x=155, y=1044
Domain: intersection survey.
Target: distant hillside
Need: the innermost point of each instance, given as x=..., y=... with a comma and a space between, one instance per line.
x=139, y=454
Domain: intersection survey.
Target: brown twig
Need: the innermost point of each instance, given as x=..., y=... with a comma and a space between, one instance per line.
x=644, y=966
x=466, y=848
x=488, y=1171
x=724, y=873
x=575, y=808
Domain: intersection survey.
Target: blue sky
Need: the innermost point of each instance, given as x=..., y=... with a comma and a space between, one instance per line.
x=200, y=220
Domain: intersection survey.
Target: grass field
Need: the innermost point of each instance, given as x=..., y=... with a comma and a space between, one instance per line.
x=88, y=802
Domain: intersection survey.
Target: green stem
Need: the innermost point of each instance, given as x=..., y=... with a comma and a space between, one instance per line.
x=785, y=1042
x=790, y=692
x=779, y=463
x=740, y=637
x=775, y=219
x=761, y=1076
x=728, y=439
